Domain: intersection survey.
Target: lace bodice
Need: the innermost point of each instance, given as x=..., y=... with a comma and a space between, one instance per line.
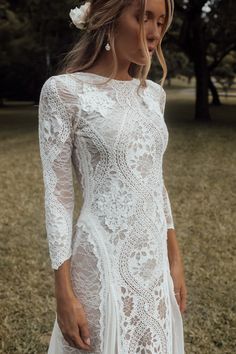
x=81, y=125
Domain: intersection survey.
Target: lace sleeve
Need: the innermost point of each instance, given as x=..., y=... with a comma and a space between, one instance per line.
x=167, y=208
x=167, y=205
x=162, y=99
x=55, y=143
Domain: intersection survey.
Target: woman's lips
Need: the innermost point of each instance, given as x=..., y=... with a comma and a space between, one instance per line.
x=151, y=49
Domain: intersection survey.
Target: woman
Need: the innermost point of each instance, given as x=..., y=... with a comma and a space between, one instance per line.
x=119, y=279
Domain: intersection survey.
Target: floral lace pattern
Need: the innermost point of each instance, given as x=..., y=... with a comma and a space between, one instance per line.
x=91, y=100
x=115, y=139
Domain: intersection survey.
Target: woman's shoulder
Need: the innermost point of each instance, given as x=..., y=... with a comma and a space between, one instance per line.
x=60, y=81
x=155, y=86
x=63, y=86
x=155, y=91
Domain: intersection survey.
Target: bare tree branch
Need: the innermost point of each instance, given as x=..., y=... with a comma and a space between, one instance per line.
x=221, y=57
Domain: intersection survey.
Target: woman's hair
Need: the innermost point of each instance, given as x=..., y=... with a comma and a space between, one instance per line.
x=101, y=27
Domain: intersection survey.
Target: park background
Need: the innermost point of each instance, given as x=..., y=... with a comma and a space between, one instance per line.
x=199, y=167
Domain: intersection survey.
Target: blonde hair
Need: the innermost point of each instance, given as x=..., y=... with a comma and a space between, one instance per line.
x=101, y=26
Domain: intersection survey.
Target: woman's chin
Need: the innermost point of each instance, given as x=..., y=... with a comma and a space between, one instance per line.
x=141, y=60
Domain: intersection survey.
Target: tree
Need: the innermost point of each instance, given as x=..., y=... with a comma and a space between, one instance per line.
x=203, y=41
x=20, y=76
x=224, y=75
x=34, y=35
x=10, y=26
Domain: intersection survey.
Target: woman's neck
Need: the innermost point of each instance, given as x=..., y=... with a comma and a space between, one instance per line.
x=104, y=67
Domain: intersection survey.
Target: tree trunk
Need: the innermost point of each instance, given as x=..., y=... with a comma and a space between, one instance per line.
x=202, y=112
x=215, y=96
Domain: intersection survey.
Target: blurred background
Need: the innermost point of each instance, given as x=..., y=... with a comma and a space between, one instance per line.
x=199, y=166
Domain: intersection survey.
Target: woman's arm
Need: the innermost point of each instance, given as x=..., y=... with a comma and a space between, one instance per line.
x=173, y=248
x=63, y=286
x=56, y=144
x=174, y=256
x=176, y=269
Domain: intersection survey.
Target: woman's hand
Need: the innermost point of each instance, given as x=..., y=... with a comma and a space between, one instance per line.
x=73, y=323
x=71, y=317
x=177, y=274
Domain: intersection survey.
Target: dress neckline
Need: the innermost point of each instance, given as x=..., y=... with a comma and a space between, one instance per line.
x=106, y=77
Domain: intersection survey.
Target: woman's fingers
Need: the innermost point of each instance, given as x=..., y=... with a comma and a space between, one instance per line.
x=83, y=327
x=78, y=341
x=181, y=297
x=75, y=340
x=183, y=300
x=84, y=332
x=177, y=295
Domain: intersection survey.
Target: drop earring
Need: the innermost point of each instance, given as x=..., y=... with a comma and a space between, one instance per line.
x=107, y=47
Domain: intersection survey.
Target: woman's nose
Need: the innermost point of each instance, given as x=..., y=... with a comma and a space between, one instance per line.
x=154, y=33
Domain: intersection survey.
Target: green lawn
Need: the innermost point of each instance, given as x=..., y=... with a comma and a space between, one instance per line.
x=200, y=173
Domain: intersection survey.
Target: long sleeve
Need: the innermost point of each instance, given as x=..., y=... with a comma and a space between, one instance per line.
x=55, y=143
x=167, y=208
x=166, y=200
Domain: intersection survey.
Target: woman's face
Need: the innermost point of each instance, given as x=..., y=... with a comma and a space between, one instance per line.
x=127, y=40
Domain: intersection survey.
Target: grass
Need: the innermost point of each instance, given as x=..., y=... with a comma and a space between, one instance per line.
x=201, y=159
x=199, y=170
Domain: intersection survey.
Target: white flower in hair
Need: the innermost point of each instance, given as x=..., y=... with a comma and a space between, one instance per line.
x=79, y=14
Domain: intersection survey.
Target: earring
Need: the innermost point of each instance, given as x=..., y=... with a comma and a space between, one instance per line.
x=107, y=46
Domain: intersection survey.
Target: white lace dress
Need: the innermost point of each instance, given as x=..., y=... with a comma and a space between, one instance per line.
x=115, y=139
